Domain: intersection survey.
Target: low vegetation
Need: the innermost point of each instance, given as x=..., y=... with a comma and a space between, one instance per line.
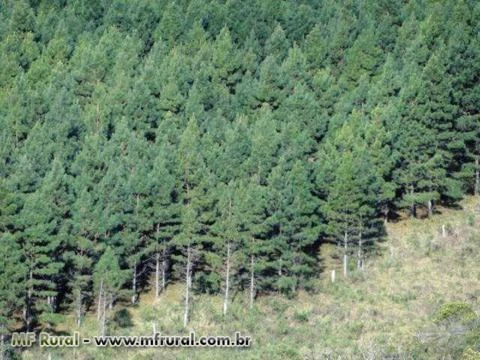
x=406, y=304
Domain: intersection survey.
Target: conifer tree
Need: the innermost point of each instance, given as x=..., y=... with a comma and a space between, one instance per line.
x=108, y=279
x=294, y=223
x=12, y=268
x=165, y=213
x=190, y=170
x=41, y=244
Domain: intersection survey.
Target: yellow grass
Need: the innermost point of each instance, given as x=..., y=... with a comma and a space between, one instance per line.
x=383, y=310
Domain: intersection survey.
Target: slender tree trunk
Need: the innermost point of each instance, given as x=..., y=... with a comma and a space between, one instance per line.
x=160, y=267
x=187, y=290
x=360, y=253
x=28, y=315
x=164, y=268
x=157, y=269
x=79, y=308
x=134, y=283
x=99, y=304
x=157, y=275
x=2, y=343
x=413, y=209
x=252, y=280
x=430, y=208
x=345, y=256
x=103, y=323
x=280, y=260
x=227, y=281
x=477, y=176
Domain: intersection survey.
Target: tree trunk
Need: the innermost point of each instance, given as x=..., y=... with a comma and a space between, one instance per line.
x=413, y=208
x=345, y=255
x=477, y=176
x=280, y=260
x=99, y=304
x=164, y=269
x=252, y=280
x=360, y=254
x=227, y=281
x=29, y=301
x=2, y=345
x=134, y=283
x=103, y=322
x=430, y=208
x=157, y=275
x=386, y=212
x=187, y=290
x=79, y=308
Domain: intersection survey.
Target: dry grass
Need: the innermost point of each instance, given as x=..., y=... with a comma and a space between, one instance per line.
x=366, y=316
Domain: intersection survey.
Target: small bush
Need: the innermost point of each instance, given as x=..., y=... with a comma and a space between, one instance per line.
x=454, y=312
x=123, y=319
x=301, y=315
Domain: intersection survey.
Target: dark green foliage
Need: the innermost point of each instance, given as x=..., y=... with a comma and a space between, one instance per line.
x=169, y=139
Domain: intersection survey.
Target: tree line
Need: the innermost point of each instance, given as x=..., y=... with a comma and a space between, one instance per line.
x=220, y=144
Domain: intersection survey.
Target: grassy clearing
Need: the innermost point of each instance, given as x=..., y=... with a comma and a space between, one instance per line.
x=389, y=310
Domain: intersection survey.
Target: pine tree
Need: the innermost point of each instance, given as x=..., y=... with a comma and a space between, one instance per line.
x=228, y=239
x=463, y=56
x=12, y=282
x=165, y=213
x=190, y=170
x=294, y=224
x=277, y=45
x=346, y=184
x=41, y=244
x=108, y=279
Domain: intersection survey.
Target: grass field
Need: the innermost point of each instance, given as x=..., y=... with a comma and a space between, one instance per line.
x=403, y=306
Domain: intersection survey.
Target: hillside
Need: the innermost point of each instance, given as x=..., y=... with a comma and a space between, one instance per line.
x=200, y=158
x=391, y=310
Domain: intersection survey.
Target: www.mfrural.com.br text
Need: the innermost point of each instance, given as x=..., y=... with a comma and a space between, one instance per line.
x=43, y=339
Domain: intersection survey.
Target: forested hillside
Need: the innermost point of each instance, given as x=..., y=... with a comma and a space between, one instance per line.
x=219, y=144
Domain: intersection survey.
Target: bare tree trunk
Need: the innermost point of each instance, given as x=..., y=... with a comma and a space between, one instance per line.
x=345, y=256
x=477, y=176
x=413, y=208
x=280, y=260
x=227, y=282
x=430, y=208
x=103, y=322
x=252, y=280
x=164, y=268
x=29, y=301
x=134, y=283
x=360, y=253
x=2, y=344
x=79, y=308
x=99, y=304
x=157, y=275
x=187, y=290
